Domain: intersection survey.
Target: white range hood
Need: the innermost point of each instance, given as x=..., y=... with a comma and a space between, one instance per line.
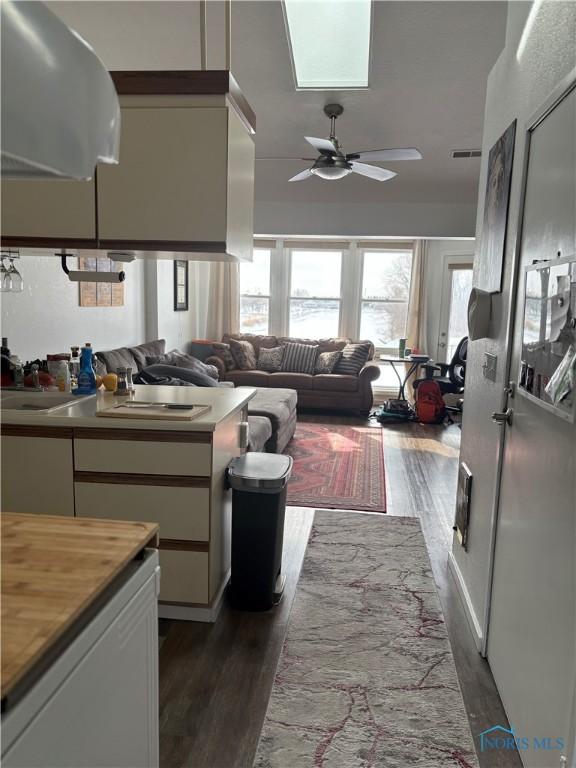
x=60, y=110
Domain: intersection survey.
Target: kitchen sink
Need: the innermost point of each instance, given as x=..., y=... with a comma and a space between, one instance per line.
x=39, y=402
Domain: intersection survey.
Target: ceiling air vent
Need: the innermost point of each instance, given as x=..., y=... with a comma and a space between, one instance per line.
x=457, y=154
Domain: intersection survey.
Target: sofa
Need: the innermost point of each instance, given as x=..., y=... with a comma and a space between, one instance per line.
x=271, y=413
x=319, y=391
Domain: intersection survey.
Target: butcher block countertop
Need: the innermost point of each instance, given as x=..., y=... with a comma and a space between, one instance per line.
x=53, y=569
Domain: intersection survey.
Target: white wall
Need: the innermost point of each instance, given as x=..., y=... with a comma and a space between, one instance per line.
x=517, y=86
x=349, y=219
x=45, y=318
x=162, y=322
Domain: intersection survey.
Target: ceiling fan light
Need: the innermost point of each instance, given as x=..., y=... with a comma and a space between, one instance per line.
x=331, y=172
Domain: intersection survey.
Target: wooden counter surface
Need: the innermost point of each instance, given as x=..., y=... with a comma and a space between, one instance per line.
x=53, y=569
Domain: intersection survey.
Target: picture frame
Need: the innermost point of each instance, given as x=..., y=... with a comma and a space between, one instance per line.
x=496, y=203
x=180, y=285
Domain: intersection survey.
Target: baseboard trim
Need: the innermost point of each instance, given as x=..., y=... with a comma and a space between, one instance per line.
x=475, y=626
x=208, y=615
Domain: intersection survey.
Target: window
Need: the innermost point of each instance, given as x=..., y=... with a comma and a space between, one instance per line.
x=255, y=293
x=385, y=291
x=315, y=293
x=339, y=57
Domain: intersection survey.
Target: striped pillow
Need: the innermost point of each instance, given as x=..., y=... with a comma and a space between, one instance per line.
x=299, y=358
x=354, y=356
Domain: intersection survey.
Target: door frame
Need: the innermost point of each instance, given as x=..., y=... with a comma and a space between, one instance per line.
x=450, y=263
x=562, y=91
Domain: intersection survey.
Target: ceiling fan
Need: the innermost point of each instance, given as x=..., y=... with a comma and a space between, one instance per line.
x=333, y=164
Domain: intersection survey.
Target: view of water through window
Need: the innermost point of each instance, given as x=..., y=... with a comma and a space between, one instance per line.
x=313, y=294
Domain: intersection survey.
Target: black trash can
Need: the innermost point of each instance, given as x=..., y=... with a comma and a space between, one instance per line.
x=259, y=482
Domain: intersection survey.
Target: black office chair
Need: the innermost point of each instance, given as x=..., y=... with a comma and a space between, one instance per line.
x=451, y=375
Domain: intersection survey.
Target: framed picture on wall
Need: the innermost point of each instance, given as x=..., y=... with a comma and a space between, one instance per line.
x=180, y=286
x=493, y=239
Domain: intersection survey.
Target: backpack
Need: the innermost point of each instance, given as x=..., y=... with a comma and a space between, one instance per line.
x=430, y=406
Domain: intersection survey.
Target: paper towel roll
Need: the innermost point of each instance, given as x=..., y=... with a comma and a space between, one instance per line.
x=479, y=308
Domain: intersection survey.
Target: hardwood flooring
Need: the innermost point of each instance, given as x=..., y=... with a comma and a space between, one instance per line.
x=215, y=679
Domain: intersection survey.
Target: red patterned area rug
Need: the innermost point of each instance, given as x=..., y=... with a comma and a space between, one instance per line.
x=337, y=467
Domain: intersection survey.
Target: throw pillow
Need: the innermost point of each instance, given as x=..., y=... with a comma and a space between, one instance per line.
x=157, y=347
x=223, y=352
x=270, y=359
x=327, y=361
x=299, y=358
x=244, y=355
x=354, y=356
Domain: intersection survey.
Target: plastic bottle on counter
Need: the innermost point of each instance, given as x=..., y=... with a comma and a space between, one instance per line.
x=86, y=375
x=63, y=377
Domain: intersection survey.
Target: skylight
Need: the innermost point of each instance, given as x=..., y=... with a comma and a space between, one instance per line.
x=330, y=41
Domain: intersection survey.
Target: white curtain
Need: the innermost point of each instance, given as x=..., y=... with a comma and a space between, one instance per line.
x=416, y=322
x=223, y=300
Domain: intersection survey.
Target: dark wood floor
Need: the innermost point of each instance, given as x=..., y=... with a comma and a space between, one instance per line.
x=215, y=680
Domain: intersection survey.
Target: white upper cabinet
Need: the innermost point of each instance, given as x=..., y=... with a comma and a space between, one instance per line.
x=184, y=186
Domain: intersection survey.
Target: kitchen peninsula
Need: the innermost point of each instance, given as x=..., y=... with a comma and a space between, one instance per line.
x=71, y=461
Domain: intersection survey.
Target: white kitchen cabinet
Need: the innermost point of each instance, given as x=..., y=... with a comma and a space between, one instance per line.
x=97, y=705
x=38, y=473
x=36, y=211
x=183, y=188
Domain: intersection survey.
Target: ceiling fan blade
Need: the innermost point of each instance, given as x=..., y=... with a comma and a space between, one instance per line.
x=302, y=175
x=409, y=153
x=322, y=145
x=379, y=174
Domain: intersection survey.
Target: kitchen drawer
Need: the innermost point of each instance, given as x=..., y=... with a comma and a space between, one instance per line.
x=143, y=457
x=182, y=513
x=184, y=576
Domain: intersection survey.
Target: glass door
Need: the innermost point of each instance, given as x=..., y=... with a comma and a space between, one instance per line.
x=454, y=310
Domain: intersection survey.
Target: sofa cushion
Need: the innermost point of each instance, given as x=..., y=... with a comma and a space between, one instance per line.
x=290, y=380
x=354, y=357
x=276, y=404
x=332, y=382
x=326, y=361
x=248, y=378
x=118, y=358
x=259, y=432
x=270, y=359
x=243, y=354
x=299, y=358
x=257, y=341
x=324, y=345
x=142, y=351
x=222, y=350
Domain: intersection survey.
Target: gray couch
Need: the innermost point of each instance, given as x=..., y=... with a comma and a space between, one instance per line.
x=271, y=413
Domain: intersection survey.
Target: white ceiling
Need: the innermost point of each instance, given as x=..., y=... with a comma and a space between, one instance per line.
x=430, y=62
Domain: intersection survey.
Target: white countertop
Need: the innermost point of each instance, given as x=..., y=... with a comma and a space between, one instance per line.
x=82, y=412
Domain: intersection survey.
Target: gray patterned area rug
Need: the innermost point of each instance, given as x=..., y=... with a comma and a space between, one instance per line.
x=366, y=677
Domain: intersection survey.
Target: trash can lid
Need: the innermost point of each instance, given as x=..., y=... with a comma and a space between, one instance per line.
x=260, y=472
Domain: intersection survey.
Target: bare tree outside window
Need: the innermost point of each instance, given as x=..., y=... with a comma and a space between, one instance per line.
x=385, y=292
